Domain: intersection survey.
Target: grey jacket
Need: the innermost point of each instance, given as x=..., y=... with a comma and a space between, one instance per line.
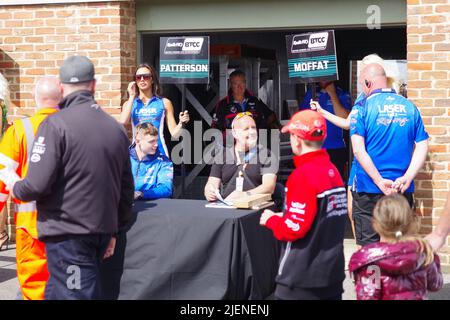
x=79, y=171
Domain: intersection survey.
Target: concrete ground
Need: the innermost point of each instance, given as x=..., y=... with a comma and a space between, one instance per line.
x=9, y=285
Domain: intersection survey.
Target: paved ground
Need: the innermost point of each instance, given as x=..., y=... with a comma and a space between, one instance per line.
x=9, y=285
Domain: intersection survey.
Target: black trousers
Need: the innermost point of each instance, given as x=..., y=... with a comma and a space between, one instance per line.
x=74, y=263
x=339, y=157
x=363, y=205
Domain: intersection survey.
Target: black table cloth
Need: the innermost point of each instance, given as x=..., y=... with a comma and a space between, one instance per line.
x=178, y=249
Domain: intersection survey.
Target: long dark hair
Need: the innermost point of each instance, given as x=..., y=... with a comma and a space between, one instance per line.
x=156, y=88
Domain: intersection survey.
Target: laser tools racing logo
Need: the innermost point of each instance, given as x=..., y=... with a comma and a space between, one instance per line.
x=309, y=42
x=183, y=46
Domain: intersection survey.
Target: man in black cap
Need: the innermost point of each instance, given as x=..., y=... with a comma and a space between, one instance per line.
x=79, y=174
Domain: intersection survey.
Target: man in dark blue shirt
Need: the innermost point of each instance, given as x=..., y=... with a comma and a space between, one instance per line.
x=338, y=102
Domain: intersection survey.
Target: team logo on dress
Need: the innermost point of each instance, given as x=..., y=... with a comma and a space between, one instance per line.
x=331, y=173
x=233, y=109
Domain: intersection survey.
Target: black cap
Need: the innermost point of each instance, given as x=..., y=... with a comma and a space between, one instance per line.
x=76, y=69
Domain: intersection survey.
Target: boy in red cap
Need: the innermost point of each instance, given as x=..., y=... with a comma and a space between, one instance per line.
x=313, y=223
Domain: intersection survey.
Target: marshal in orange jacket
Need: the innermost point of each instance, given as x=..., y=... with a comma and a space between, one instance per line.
x=30, y=252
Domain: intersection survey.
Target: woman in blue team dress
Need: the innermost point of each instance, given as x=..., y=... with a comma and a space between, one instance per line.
x=145, y=104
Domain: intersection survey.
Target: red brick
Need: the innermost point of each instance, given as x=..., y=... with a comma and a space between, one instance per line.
x=433, y=184
x=442, y=46
x=88, y=29
x=442, y=8
x=432, y=19
x=67, y=30
x=435, y=131
x=45, y=47
x=55, y=22
x=44, y=30
x=418, y=29
x=13, y=40
x=432, y=111
x=442, y=103
x=424, y=57
x=55, y=39
x=34, y=39
x=442, y=84
x=44, y=14
x=437, y=148
x=433, y=1
x=433, y=38
x=434, y=94
x=34, y=23
x=45, y=64
x=34, y=72
x=99, y=21
x=23, y=15
x=88, y=46
x=419, y=84
x=13, y=23
x=417, y=10
x=444, y=66
x=34, y=55
x=420, y=47
x=5, y=16
x=65, y=13
x=420, y=66
x=443, y=140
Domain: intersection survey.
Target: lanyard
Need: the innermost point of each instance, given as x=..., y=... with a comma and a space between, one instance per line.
x=253, y=151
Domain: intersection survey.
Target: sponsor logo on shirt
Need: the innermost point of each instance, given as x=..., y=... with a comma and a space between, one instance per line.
x=38, y=149
x=147, y=111
x=292, y=225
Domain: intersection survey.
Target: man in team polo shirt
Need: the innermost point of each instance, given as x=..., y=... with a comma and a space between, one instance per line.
x=313, y=223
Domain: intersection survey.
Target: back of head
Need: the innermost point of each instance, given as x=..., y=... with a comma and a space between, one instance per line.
x=77, y=73
x=372, y=58
x=374, y=77
x=47, y=92
x=375, y=58
x=394, y=220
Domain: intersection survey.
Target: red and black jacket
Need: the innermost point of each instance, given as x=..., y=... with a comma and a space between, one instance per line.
x=313, y=224
x=226, y=109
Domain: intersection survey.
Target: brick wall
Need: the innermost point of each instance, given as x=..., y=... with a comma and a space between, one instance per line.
x=428, y=34
x=35, y=39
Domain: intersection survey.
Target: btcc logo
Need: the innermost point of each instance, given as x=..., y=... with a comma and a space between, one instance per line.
x=309, y=42
x=183, y=45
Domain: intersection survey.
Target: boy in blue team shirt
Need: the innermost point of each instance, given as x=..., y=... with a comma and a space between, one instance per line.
x=152, y=171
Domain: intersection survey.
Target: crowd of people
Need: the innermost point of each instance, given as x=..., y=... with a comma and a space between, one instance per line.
x=73, y=193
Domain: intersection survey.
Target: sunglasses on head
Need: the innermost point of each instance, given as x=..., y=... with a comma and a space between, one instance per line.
x=145, y=76
x=144, y=125
x=243, y=114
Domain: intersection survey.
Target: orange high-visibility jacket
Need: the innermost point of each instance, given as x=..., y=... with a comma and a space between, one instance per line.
x=15, y=148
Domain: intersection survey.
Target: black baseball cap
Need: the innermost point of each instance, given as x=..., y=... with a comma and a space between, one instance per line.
x=76, y=69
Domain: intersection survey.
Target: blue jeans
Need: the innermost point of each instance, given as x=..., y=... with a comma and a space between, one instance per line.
x=74, y=263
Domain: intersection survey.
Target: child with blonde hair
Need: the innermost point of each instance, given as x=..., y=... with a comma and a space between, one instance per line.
x=402, y=266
